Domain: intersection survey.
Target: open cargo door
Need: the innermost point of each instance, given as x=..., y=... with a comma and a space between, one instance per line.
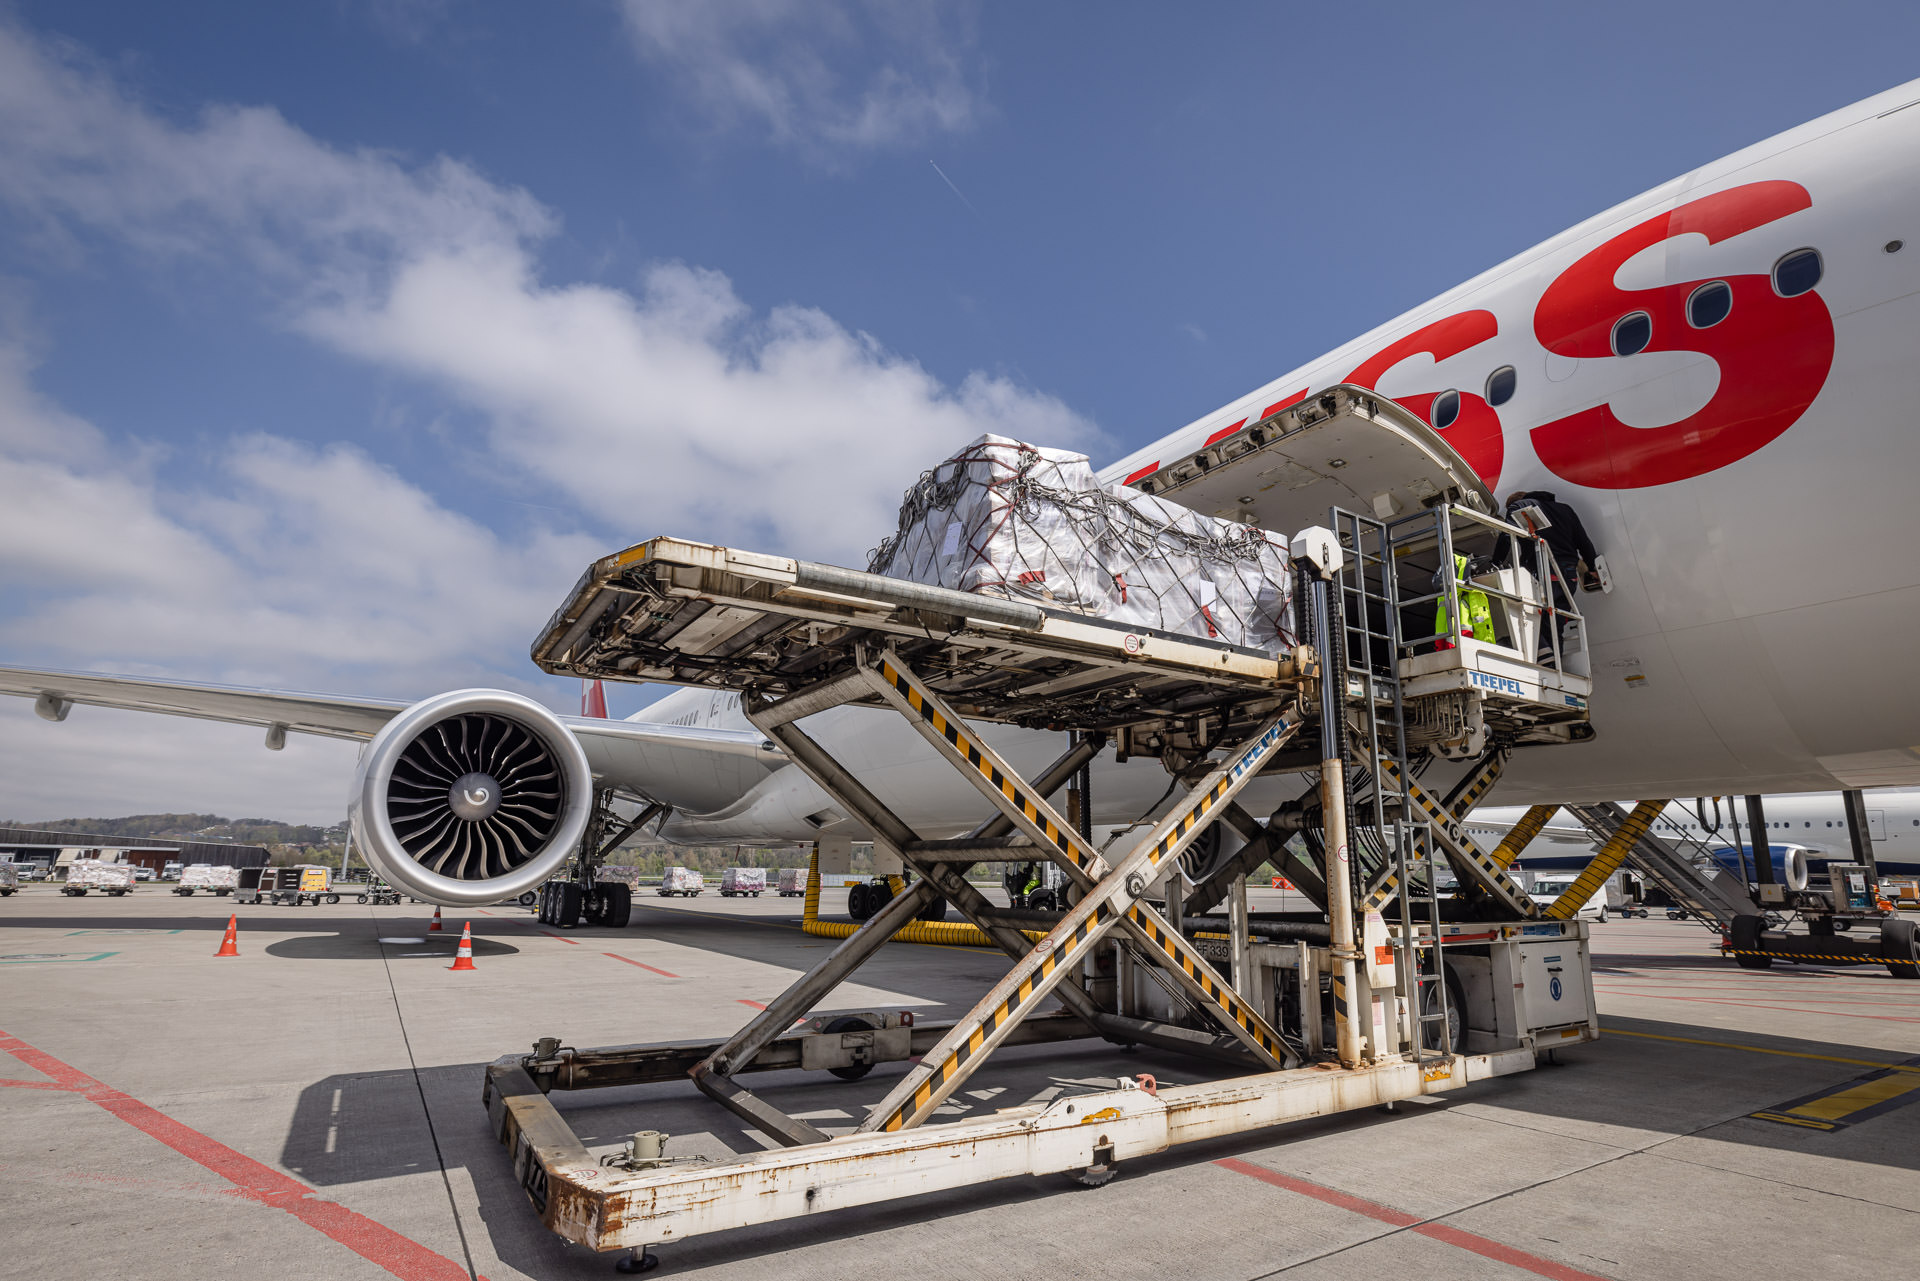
x=1346, y=447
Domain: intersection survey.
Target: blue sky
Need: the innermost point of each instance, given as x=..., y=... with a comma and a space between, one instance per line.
x=335, y=339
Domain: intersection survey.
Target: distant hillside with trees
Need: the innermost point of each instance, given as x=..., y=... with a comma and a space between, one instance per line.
x=193, y=827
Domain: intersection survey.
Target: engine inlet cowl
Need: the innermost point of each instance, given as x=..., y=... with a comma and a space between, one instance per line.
x=471, y=797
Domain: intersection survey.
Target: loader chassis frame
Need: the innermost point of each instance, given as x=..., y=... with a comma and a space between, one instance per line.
x=796, y=639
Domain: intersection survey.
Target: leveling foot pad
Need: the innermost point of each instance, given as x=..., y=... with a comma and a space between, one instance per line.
x=638, y=1260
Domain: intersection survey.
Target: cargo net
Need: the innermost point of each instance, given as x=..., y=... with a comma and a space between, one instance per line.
x=1008, y=519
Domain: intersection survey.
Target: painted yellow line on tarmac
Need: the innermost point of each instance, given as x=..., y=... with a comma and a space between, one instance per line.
x=1848, y=1103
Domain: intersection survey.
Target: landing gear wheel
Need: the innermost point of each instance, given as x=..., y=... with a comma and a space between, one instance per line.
x=545, y=914
x=616, y=905
x=934, y=911
x=857, y=901
x=852, y=1072
x=572, y=906
x=1746, y=943
x=1900, y=945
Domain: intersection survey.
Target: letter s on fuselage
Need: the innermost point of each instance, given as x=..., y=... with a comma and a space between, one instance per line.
x=1748, y=474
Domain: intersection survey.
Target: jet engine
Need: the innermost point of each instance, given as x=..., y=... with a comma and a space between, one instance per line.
x=1789, y=864
x=471, y=797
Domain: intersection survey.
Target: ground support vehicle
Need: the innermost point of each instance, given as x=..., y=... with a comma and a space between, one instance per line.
x=83, y=874
x=793, y=882
x=1393, y=989
x=216, y=880
x=743, y=882
x=285, y=886
x=378, y=892
x=681, y=881
x=315, y=885
x=9, y=879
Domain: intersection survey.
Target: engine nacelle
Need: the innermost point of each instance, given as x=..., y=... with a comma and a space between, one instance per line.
x=471, y=797
x=1789, y=864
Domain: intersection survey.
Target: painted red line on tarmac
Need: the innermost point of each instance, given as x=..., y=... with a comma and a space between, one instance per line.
x=1345, y=1200
x=563, y=938
x=642, y=964
x=755, y=1004
x=11, y=1084
x=375, y=1242
x=1482, y=1246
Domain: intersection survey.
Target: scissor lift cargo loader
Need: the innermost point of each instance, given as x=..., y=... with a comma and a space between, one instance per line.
x=1427, y=1002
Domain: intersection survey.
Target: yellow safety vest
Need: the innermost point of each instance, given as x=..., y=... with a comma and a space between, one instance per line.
x=1479, y=622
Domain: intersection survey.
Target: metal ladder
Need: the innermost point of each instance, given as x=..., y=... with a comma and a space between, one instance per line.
x=1382, y=826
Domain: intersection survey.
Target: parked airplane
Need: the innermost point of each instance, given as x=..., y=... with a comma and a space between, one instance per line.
x=1717, y=373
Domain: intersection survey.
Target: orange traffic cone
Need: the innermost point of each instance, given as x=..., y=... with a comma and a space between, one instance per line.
x=436, y=920
x=230, y=945
x=463, y=959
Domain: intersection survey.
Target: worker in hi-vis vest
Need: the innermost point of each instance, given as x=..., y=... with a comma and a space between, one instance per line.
x=1479, y=614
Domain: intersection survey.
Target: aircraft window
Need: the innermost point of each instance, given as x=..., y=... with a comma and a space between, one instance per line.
x=1500, y=385
x=1632, y=332
x=1708, y=305
x=1446, y=409
x=1798, y=272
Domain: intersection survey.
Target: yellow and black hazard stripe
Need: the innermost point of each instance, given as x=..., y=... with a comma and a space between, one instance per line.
x=1175, y=951
x=1855, y=959
x=1486, y=774
x=1065, y=840
x=1492, y=875
x=1250, y=759
x=1057, y=959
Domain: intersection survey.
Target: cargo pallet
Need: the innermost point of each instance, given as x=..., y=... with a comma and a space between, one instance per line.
x=1396, y=988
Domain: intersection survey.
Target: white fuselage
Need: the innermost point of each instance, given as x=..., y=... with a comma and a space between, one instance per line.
x=1747, y=471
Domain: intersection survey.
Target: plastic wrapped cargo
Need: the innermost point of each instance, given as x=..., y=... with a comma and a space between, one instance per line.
x=683, y=881
x=793, y=882
x=208, y=877
x=743, y=881
x=1010, y=519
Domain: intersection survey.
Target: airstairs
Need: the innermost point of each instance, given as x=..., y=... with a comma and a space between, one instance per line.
x=1683, y=869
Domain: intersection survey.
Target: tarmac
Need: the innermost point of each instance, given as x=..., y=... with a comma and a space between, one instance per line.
x=312, y=1109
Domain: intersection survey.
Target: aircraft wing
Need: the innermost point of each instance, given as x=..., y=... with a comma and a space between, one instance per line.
x=327, y=714
x=688, y=767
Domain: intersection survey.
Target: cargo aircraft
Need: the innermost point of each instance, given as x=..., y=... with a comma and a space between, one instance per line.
x=1719, y=374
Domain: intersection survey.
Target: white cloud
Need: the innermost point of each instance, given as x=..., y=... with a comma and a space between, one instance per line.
x=826, y=78
x=679, y=410
x=288, y=566
x=674, y=407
